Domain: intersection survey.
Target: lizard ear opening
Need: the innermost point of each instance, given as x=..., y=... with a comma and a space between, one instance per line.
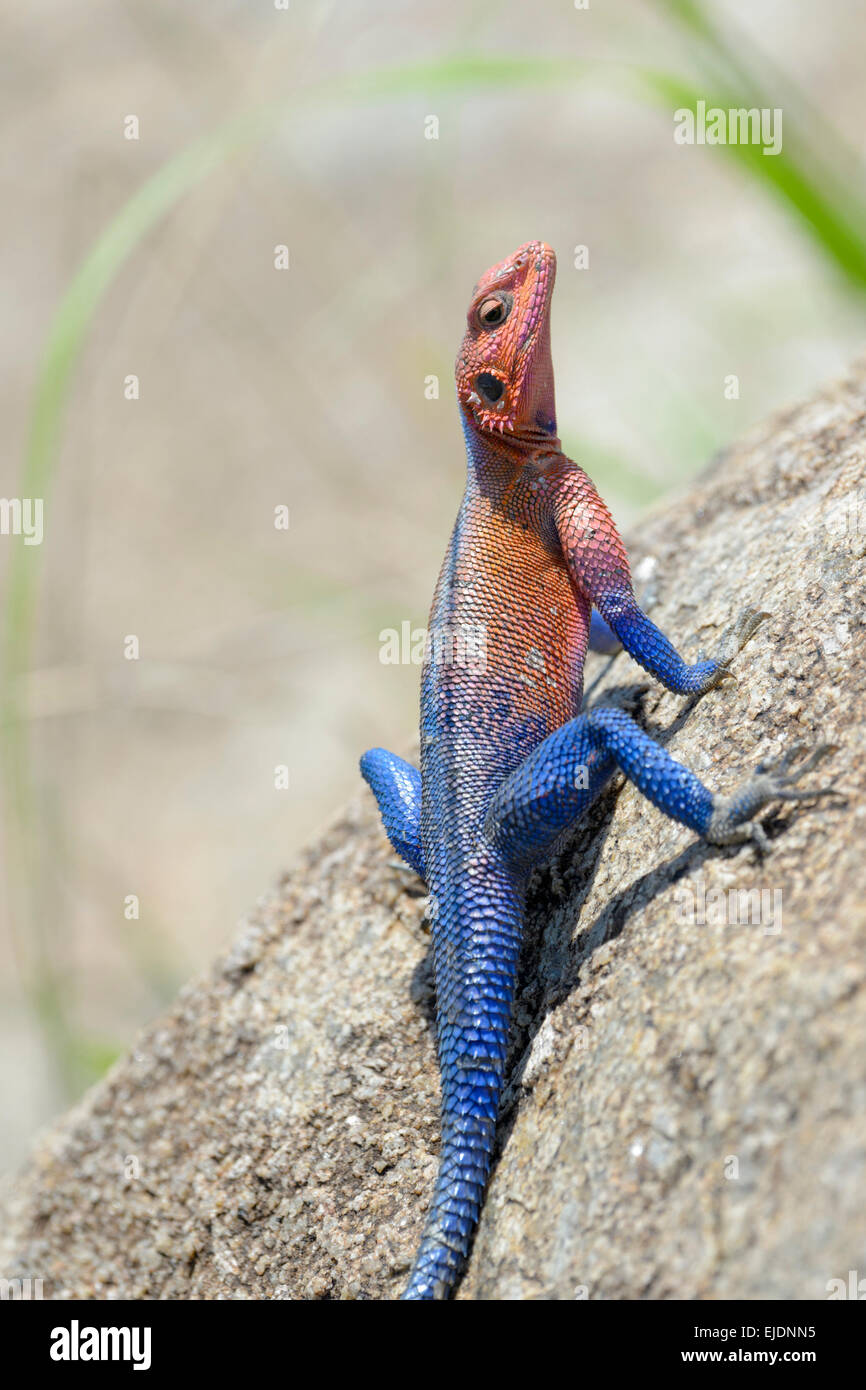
x=489, y=387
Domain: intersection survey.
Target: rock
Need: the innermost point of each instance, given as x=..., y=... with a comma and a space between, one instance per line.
x=685, y=1113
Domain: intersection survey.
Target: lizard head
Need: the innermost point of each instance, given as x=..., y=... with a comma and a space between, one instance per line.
x=504, y=368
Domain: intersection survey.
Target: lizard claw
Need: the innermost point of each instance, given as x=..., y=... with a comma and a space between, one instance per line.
x=731, y=821
x=723, y=677
x=735, y=637
x=732, y=641
x=777, y=770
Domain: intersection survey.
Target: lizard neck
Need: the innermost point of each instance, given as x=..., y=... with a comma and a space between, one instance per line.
x=492, y=457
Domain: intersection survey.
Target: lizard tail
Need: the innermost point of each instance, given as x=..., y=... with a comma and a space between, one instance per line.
x=476, y=948
x=454, y=1211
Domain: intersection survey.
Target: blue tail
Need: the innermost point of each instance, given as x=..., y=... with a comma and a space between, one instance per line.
x=454, y=1212
x=476, y=944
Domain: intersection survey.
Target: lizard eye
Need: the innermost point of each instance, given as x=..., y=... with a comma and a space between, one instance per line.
x=493, y=311
x=490, y=387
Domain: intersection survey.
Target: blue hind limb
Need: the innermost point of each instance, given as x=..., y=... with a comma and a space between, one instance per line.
x=560, y=779
x=396, y=786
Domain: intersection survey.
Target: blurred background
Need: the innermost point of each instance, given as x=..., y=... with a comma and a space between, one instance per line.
x=140, y=811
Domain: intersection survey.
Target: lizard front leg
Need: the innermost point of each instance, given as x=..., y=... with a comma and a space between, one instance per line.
x=598, y=564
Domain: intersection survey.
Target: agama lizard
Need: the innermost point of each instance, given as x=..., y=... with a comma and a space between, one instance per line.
x=508, y=762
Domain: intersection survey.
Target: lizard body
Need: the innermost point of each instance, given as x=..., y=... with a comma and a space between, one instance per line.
x=508, y=762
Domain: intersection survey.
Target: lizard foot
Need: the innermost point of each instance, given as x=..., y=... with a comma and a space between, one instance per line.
x=731, y=642
x=731, y=823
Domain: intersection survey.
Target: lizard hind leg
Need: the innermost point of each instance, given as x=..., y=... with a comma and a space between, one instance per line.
x=559, y=779
x=548, y=792
x=396, y=786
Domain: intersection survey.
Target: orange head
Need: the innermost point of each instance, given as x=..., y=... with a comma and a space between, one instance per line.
x=504, y=368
